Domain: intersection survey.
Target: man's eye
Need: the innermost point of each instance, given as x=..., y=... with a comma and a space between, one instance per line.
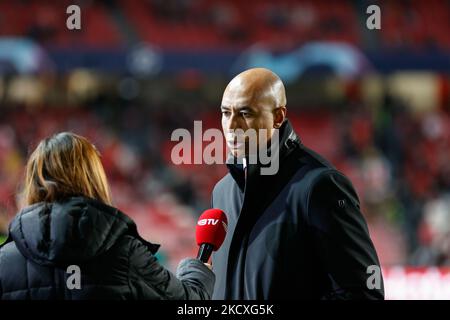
x=246, y=114
x=226, y=113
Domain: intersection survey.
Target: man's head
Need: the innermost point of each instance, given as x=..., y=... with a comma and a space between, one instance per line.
x=254, y=99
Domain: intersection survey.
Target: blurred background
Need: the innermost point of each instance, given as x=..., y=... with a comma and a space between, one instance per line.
x=374, y=102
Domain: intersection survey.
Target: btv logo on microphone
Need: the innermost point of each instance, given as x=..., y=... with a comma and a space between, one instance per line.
x=211, y=222
x=210, y=232
x=208, y=222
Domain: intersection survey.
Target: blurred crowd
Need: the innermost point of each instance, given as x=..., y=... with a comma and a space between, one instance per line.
x=402, y=167
x=413, y=24
x=399, y=162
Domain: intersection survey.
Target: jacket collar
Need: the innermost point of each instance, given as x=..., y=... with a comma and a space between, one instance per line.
x=288, y=141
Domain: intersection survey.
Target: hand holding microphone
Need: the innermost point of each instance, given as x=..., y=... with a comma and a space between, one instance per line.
x=210, y=232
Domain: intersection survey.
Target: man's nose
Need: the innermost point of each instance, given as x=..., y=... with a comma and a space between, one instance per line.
x=234, y=122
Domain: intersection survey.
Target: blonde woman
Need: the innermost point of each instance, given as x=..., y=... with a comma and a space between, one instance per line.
x=69, y=242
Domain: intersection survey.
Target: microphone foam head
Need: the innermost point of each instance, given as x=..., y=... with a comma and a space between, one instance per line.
x=211, y=228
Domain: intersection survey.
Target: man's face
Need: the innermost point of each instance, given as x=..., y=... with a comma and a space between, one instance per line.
x=244, y=108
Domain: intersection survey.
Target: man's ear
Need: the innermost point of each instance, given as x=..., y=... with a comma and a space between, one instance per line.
x=279, y=116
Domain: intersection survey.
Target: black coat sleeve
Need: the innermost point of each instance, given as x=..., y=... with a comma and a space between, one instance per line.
x=149, y=280
x=341, y=240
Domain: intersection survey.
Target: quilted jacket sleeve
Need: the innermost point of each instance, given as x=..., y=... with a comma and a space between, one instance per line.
x=150, y=280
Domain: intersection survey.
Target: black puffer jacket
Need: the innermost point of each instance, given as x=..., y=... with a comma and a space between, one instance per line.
x=114, y=261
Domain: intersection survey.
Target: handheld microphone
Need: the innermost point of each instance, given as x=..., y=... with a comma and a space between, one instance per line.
x=210, y=232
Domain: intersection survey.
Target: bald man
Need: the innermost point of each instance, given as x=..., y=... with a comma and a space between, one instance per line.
x=297, y=233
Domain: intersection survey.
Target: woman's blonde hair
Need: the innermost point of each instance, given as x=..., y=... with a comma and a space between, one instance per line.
x=65, y=165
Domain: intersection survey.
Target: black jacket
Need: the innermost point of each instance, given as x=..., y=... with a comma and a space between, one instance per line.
x=114, y=261
x=296, y=234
